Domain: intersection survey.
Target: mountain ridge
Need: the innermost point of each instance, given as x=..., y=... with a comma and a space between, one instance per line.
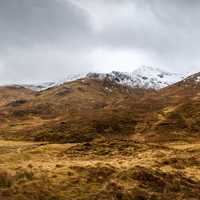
x=144, y=77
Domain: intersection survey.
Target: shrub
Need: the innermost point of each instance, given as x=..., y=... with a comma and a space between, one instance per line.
x=6, y=179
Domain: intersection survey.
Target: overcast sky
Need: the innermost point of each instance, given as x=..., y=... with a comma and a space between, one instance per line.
x=43, y=40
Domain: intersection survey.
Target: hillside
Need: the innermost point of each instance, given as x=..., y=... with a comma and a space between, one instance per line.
x=182, y=112
x=14, y=93
x=78, y=110
x=89, y=108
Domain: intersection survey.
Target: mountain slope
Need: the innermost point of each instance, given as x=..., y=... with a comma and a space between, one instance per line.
x=14, y=94
x=94, y=107
x=180, y=110
x=77, y=111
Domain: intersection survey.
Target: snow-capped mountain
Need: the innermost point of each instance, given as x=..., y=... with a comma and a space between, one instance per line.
x=143, y=77
x=149, y=77
x=46, y=85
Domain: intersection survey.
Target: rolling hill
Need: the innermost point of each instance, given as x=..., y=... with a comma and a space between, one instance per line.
x=14, y=93
x=93, y=107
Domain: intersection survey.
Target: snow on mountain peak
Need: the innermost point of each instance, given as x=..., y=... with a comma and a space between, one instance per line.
x=47, y=85
x=143, y=77
x=155, y=78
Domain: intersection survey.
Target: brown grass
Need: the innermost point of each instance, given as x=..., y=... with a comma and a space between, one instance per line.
x=125, y=170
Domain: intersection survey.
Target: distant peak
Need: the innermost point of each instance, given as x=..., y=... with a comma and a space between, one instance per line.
x=144, y=77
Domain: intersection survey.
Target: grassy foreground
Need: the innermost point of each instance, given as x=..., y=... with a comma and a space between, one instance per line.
x=100, y=170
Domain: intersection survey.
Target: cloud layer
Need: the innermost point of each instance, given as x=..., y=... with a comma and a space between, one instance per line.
x=46, y=39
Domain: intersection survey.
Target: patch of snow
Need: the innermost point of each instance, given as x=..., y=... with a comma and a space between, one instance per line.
x=198, y=79
x=108, y=89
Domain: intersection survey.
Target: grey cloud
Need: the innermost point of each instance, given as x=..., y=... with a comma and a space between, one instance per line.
x=42, y=39
x=169, y=29
x=30, y=22
x=41, y=64
x=46, y=39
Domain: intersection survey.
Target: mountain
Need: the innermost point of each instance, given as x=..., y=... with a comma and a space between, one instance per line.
x=93, y=107
x=155, y=78
x=47, y=85
x=143, y=77
x=103, y=105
